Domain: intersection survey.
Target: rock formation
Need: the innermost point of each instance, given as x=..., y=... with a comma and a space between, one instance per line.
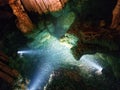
x=6, y=73
x=116, y=16
x=92, y=40
x=43, y=6
x=23, y=21
x=40, y=6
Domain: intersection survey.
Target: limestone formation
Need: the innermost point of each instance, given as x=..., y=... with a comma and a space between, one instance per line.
x=8, y=74
x=23, y=21
x=116, y=16
x=40, y=6
x=43, y=6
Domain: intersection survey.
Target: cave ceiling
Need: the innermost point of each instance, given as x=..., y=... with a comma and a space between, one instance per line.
x=99, y=28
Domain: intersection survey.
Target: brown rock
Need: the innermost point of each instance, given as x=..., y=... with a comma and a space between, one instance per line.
x=43, y=6
x=23, y=21
x=116, y=16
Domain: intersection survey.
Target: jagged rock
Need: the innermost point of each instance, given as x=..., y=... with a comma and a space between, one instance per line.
x=43, y=6
x=65, y=79
x=116, y=16
x=7, y=73
x=23, y=21
x=69, y=40
x=93, y=40
x=39, y=39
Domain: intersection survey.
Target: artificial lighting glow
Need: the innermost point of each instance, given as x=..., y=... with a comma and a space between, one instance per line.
x=55, y=55
x=41, y=76
x=25, y=52
x=21, y=53
x=33, y=52
x=89, y=62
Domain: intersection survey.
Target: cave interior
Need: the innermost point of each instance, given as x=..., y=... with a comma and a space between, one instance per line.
x=59, y=45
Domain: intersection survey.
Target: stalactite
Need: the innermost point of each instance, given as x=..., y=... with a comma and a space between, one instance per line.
x=40, y=6
x=23, y=21
x=116, y=16
x=43, y=6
